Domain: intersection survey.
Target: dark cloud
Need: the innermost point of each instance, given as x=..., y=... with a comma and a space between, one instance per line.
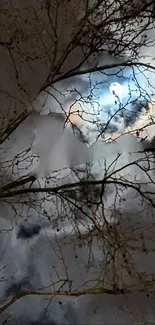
x=27, y=231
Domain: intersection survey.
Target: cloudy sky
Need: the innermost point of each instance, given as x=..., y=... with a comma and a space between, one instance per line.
x=47, y=242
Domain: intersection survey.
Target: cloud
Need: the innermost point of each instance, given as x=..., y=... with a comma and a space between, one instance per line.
x=58, y=147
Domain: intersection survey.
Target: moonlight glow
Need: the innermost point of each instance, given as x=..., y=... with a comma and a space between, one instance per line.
x=115, y=88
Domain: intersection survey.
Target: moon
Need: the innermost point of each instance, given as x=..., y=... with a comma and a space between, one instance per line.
x=115, y=88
